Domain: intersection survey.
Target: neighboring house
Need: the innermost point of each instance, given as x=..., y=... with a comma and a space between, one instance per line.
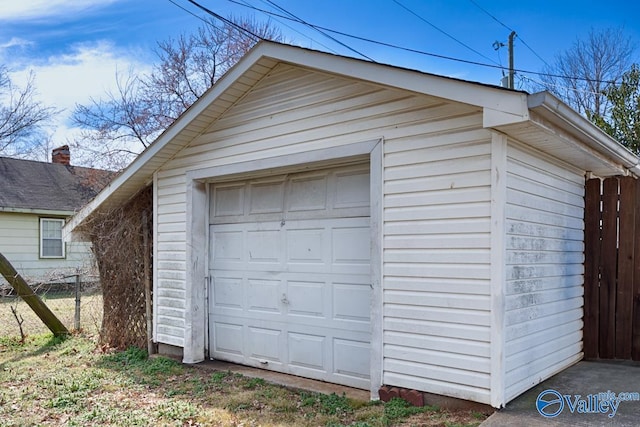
x=36, y=199
x=369, y=225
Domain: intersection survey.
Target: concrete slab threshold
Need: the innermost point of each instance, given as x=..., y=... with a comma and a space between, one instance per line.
x=285, y=380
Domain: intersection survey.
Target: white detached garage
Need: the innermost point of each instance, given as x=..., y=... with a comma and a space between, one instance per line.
x=369, y=225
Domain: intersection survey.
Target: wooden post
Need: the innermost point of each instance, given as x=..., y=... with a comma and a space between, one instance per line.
x=626, y=254
x=608, y=275
x=26, y=293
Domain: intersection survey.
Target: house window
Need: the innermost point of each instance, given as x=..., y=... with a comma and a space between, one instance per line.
x=51, y=243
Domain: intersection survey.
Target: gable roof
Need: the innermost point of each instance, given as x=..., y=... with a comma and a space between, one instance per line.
x=39, y=187
x=540, y=119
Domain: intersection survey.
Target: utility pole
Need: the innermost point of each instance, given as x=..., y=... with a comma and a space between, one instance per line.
x=511, y=84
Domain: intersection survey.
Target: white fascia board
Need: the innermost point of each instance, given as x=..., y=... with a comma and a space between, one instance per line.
x=553, y=109
x=511, y=103
x=56, y=213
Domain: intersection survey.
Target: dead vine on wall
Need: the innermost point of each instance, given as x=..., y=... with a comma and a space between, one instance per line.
x=118, y=246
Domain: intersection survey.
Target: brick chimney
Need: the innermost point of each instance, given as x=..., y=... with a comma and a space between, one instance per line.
x=61, y=155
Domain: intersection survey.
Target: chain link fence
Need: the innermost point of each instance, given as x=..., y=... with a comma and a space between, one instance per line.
x=76, y=299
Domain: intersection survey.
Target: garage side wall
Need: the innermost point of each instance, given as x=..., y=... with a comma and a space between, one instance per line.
x=544, y=268
x=437, y=263
x=436, y=213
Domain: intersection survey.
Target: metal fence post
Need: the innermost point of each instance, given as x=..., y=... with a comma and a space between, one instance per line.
x=77, y=314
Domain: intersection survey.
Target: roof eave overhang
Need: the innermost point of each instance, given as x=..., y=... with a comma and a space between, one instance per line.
x=565, y=131
x=553, y=110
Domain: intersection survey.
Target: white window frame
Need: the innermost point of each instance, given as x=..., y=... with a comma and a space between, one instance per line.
x=42, y=255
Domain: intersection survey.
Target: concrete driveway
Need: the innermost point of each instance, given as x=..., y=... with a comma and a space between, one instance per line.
x=581, y=396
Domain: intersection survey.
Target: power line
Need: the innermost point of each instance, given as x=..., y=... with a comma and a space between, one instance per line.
x=435, y=55
x=295, y=18
x=510, y=29
x=209, y=22
x=416, y=51
x=225, y=20
x=294, y=30
x=189, y=12
x=443, y=32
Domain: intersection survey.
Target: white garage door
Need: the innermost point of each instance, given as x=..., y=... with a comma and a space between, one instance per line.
x=290, y=280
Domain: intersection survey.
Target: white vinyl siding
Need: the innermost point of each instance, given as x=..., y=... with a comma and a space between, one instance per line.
x=20, y=244
x=544, y=268
x=437, y=262
x=170, y=260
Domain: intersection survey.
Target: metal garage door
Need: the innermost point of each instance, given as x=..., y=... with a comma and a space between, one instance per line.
x=290, y=280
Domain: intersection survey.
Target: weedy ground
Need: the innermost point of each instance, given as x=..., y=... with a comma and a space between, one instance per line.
x=73, y=382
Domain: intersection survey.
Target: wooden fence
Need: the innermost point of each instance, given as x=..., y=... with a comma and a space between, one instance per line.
x=612, y=269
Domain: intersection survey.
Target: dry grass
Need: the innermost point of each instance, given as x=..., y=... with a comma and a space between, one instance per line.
x=62, y=304
x=47, y=381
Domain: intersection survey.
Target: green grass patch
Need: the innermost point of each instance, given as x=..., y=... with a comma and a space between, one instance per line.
x=53, y=381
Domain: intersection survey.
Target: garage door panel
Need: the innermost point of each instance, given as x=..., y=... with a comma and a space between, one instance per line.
x=351, y=302
x=264, y=295
x=307, y=351
x=266, y=198
x=263, y=246
x=228, y=340
x=265, y=344
x=290, y=274
x=228, y=246
x=228, y=293
x=307, y=246
x=307, y=299
x=308, y=193
x=351, y=245
x=349, y=355
x=348, y=192
x=228, y=200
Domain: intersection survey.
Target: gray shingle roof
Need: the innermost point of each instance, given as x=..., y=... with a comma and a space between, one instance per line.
x=26, y=184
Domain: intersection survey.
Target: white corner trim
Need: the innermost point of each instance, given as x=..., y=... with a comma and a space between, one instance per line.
x=154, y=271
x=498, y=259
x=376, y=168
x=195, y=284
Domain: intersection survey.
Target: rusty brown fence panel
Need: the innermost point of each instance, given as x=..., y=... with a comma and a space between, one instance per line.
x=612, y=272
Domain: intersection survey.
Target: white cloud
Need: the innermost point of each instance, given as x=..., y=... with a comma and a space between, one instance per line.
x=86, y=71
x=14, y=42
x=41, y=9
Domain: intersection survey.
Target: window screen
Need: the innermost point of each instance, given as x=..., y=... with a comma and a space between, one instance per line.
x=51, y=244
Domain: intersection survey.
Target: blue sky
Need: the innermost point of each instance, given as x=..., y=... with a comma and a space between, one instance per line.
x=75, y=47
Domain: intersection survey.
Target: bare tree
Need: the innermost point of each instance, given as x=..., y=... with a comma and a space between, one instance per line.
x=22, y=118
x=581, y=74
x=126, y=121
